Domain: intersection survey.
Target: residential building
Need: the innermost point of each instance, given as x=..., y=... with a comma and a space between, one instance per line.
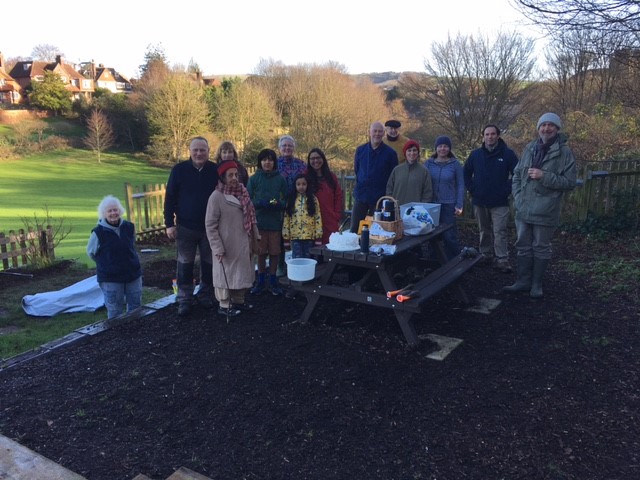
x=29, y=71
x=105, y=77
x=9, y=88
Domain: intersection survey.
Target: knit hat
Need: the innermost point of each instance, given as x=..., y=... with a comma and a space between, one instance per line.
x=443, y=140
x=224, y=166
x=551, y=118
x=408, y=145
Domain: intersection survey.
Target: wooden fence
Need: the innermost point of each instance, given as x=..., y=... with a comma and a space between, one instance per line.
x=598, y=193
x=17, y=248
x=606, y=186
x=145, y=209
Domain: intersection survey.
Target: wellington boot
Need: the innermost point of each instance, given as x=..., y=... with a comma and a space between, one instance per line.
x=259, y=287
x=524, y=270
x=274, y=286
x=539, y=267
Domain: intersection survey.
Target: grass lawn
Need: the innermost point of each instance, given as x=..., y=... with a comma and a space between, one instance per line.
x=70, y=183
x=20, y=332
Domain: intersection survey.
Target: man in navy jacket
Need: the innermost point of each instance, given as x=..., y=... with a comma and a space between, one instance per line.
x=373, y=163
x=190, y=184
x=487, y=177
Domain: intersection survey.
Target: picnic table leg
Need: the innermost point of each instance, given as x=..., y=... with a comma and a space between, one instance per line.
x=403, y=317
x=312, y=301
x=442, y=256
x=408, y=329
x=312, y=298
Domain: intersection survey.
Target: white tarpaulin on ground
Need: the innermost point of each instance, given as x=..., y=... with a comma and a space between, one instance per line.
x=84, y=296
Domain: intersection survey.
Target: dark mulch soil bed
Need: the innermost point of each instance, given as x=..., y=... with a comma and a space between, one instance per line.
x=538, y=390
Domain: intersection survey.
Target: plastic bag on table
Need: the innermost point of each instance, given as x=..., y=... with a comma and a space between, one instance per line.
x=417, y=221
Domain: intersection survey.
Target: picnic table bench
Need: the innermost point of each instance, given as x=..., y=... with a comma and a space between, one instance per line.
x=378, y=278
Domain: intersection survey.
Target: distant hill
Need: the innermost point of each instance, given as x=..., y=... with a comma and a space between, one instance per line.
x=382, y=79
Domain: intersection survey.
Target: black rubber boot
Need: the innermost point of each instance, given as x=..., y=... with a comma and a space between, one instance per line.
x=524, y=269
x=185, y=288
x=260, y=285
x=539, y=267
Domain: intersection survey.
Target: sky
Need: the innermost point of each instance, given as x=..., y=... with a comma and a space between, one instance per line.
x=233, y=36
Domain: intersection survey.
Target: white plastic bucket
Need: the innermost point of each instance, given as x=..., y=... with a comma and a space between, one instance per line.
x=301, y=269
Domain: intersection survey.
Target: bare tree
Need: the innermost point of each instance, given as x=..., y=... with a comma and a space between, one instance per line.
x=625, y=68
x=243, y=114
x=176, y=112
x=273, y=77
x=27, y=131
x=46, y=53
x=322, y=106
x=100, y=135
x=607, y=16
x=478, y=81
x=586, y=68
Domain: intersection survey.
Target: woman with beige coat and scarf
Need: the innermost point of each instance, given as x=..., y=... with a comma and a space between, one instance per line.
x=231, y=226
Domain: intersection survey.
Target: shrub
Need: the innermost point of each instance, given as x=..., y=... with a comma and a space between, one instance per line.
x=38, y=255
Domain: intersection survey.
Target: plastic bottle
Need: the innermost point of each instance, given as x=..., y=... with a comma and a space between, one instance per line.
x=364, y=239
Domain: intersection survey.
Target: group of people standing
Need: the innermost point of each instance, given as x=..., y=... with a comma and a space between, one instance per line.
x=286, y=203
x=215, y=211
x=492, y=174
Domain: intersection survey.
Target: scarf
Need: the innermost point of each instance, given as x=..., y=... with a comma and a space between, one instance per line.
x=541, y=150
x=241, y=193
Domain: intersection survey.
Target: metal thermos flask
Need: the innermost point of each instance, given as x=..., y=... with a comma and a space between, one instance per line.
x=364, y=239
x=389, y=210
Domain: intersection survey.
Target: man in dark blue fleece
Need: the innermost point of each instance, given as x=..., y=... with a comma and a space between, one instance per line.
x=487, y=177
x=190, y=184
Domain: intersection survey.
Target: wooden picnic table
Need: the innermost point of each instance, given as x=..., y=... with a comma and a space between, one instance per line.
x=378, y=278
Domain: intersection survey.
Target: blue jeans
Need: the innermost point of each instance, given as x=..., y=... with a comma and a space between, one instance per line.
x=300, y=248
x=450, y=237
x=115, y=294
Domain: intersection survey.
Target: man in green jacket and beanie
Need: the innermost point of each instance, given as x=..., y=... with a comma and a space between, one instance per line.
x=547, y=169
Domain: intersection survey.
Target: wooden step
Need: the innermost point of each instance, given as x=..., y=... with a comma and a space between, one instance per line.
x=20, y=463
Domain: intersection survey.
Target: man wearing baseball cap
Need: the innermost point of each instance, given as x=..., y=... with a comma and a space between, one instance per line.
x=394, y=139
x=547, y=169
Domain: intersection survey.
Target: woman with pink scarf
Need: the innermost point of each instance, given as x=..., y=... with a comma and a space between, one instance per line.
x=231, y=227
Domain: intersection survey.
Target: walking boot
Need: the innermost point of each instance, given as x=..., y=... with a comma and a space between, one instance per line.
x=524, y=270
x=539, y=267
x=259, y=287
x=275, y=287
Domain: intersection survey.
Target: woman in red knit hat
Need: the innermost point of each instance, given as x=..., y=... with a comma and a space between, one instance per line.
x=410, y=181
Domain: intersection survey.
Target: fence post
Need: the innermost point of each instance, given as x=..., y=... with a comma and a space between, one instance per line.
x=3, y=250
x=22, y=242
x=128, y=197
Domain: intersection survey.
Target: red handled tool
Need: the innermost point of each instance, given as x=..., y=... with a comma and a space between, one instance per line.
x=406, y=296
x=398, y=292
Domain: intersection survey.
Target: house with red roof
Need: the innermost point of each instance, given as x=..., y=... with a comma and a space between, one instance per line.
x=29, y=71
x=9, y=88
